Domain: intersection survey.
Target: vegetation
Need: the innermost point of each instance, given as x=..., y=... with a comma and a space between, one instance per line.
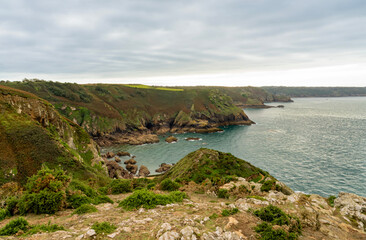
x=44, y=228
x=268, y=185
x=118, y=186
x=272, y=215
x=104, y=228
x=169, y=185
x=148, y=199
x=330, y=200
x=229, y=212
x=85, y=208
x=218, y=167
x=14, y=226
x=223, y=193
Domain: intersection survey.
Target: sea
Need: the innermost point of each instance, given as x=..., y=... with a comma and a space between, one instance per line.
x=313, y=145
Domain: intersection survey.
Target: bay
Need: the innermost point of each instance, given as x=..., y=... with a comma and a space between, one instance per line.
x=314, y=145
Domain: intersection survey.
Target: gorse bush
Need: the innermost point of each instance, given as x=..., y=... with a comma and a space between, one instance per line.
x=14, y=226
x=45, y=192
x=118, y=186
x=147, y=199
x=85, y=208
x=268, y=185
x=103, y=228
x=273, y=215
x=3, y=214
x=169, y=185
x=227, y=212
x=76, y=200
x=330, y=200
x=102, y=199
x=223, y=193
x=84, y=188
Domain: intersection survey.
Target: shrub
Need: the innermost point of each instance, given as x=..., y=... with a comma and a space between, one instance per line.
x=118, y=186
x=141, y=183
x=223, y=193
x=268, y=185
x=150, y=186
x=84, y=188
x=169, y=185
x=76, y=200
x=147, y=199
x=102, y=199
x=104, y=227
x=103, y=190
x=267, y=232
x=41, y=202
x=330, y=200
x=273, y=214
x=3, y=214
x=227, y=212
x=85, y=208
x=214, y=216
x=14, y=226
x=12, y=205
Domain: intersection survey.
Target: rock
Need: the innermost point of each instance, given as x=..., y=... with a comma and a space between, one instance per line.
x=164, y=227
x=122, y=154
x=144, y=171
x=132, y=168
x=353, y=207
x=117, y=159
x=113, y=235
x=189, y=233
x=164, y=167
x=221, y=235
x=169, y=236
x=90, y=233
x=110, y=155
x=127, y=229
x=130, y=161
x=116, y=171
x=171, y=139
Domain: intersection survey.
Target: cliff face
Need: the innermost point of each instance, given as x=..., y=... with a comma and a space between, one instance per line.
x=33, y=133
x=106, y=111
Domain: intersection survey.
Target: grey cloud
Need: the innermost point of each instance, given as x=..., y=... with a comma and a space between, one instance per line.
x=147, y=38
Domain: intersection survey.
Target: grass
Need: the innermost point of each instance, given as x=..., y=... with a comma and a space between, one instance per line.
x=140, y=86
x=257, y=197
x=229, y=212
x=104, y=227
x=330, y=200
x=85, y=208
x=148, y=199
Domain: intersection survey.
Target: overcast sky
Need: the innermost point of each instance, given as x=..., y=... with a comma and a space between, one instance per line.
x=190, y=42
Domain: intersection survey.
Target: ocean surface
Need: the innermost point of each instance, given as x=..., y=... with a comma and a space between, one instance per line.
x=314, y=145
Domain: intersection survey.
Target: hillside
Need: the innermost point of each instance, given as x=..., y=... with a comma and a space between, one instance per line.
x=33, y=133
x=111, y=112
x=317, y=91
x=174, y=207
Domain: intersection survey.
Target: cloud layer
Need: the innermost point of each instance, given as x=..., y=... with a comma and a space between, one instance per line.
x=99, y=40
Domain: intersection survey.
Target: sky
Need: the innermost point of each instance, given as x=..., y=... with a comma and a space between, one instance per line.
x=190, y=42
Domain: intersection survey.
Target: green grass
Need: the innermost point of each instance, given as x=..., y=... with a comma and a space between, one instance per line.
x=85, y=208
x=257, y=197
x=148, y=199
x=152, y=87
x=104, y=227
x=14, y=226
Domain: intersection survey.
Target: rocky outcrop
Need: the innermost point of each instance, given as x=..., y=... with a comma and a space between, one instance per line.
x=163, y=168
x=144, y=171
x=352, y=207
x=117, y=159
x=130, y=161
x=171, y=139
x=122, y=154
x=132, y=168
x=117, y=171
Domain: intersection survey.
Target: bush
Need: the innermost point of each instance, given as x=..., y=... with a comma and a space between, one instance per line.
x=214, y=216
x=43, y=202
x=14, y=226
x=4, y=214
x=45, y=228
x=150, y=186
x=273, y=214
x=12, y=205
x=169, y=185
x=118, y=186
x=267, y=232
x=227, y=212
x=268, y=185
x=76, y=200
x=223, y=193
x=102, y=199
x=147, y=199
x=85, y=208
x=103, y=227
x=84, y=188
x=330, y=200
x=141, y=183
x=103, y=190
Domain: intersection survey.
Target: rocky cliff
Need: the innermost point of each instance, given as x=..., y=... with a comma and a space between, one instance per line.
x=33, y=133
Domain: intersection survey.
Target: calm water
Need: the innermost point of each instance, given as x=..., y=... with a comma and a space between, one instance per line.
x=314, y=145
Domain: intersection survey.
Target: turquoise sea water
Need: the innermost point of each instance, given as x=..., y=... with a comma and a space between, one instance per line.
x=314, y=145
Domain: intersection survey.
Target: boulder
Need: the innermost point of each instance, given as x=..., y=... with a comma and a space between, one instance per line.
x=132, y=168
x=116, y=171
x=353, y=207
x=117, y=159
x=193, y=139
x=122, y=154
x=171, y=139
x=109, y=155
x=144, y=171
x=164, y=167
x=130, y=161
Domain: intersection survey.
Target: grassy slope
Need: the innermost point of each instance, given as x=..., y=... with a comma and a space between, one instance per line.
x=214, y=165
x=26, y=144
x=104, y=108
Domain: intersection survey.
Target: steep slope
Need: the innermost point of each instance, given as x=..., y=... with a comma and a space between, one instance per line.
x=33, y=133
x=106, y=109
